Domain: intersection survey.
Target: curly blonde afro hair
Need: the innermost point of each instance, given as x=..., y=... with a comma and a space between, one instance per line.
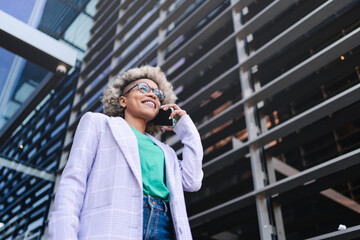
x=115, y=88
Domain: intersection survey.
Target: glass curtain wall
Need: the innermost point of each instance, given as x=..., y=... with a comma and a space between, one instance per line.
x=25, y=196
x=67, y=21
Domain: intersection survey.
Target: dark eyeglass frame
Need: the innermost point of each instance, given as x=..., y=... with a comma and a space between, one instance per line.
x=159, y=94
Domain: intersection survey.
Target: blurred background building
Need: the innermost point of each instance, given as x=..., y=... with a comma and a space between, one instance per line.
x=273, y=87
x=35, y=104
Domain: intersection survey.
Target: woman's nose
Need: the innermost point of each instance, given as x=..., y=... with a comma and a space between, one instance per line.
x=152, y=94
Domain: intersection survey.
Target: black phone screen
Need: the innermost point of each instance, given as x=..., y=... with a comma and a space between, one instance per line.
x=162, y=119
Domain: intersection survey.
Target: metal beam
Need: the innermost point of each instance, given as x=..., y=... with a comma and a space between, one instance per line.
x=332, y=166
x=222, y=209
x=331, y=105
x=321, y=110
x=254, y=127
x=290, y=77
x=350, y=233
x=20, y=167
x=193, y=43
x=307, y=67
x=330, y=193
x=227, y=77
x=301, y=27
x=40, y=48
x=100, y=8
x=189, y=22
x=262, y=18
x=311, y=115
x=129, y=25
x=178, y=11
x=134, y=52
x=329, y=167
x=105, y=15
x=273, y=10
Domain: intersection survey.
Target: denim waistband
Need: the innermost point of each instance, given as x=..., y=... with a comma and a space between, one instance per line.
x=156, y=203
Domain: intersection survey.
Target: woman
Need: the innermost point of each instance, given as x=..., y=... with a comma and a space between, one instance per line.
x=120, y=182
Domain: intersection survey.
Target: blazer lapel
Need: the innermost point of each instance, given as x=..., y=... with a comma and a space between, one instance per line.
x=128, y=144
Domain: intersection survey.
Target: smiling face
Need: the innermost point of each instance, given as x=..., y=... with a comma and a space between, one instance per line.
x=140, y=105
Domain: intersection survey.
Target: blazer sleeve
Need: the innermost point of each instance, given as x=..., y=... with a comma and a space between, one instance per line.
x=64, y=219
x=191, y=165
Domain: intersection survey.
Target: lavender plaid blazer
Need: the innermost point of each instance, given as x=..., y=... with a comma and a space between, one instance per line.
x=100, y=192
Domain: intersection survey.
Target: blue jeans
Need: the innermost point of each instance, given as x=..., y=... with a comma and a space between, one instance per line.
x=157, y=219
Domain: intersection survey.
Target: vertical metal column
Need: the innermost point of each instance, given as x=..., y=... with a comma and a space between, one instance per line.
x=276, y=207
x=258, y=173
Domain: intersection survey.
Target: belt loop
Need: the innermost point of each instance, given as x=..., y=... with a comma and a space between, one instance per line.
x=165, y=205
x=149, y=201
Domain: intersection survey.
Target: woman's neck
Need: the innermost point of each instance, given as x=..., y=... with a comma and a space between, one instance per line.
x=138, y=124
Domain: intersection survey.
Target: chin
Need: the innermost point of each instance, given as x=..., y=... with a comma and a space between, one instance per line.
x=149, y=117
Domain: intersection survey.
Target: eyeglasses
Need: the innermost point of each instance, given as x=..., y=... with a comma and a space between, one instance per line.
x=145, y=88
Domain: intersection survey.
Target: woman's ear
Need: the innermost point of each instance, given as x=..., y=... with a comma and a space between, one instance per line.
x=122, y=101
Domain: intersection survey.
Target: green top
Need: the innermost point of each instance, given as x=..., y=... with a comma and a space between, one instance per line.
x=152, y=161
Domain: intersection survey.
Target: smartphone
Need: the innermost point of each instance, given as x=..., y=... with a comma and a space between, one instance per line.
x=162, y=119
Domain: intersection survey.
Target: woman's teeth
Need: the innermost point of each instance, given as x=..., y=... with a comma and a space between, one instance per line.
x=150, y=103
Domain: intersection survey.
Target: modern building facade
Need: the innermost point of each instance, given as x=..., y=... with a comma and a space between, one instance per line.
x=274, y=89
x=36, y=37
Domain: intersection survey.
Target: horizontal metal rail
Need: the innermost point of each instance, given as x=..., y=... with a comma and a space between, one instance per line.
x=266, y=15
x=204, y=93
x=298, y=29
x=100, y=42
x=130, y=11
x=325, y=108
x=330, y=193
x=104, y=16
x=134, y=51
x=295, y=74
x=98, y=57
x=332, y=166
x=21, y=167
x=187, y=76
x=189, y=22
x=99, y=69
x=280, y=42
x=321, y=110
x=101, y=5
x=179, y=10
x=349, y=233
x=95, y=37
x=122, y=47
x=198, y=38
x=101, y=31
x=272, y=10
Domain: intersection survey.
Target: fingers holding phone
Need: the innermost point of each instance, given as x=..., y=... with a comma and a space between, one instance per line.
x=177, y=113
x=163, y=118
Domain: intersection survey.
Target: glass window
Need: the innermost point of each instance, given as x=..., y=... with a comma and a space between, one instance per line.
x=20, y=79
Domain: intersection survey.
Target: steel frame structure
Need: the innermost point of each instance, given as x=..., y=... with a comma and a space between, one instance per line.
x=262, y=80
